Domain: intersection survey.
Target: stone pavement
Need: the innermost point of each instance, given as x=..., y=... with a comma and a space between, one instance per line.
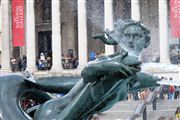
x=123, y=109
x=71, y=72
x=47, y=73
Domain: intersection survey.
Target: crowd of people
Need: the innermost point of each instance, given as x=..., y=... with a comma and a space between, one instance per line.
x=69, y=62
x=18, y=64
x=175, y=57
x=140, y=95
x=43, y=62
x=170, y=92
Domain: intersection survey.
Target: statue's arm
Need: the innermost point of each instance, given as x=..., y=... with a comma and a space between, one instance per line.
x=113, y=56
x=106, y=38
x=116, y=69
x=144, y=80
x=121, y=54
x=103, y=57
x=98, y=71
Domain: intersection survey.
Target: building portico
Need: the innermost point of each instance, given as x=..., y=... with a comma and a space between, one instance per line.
x=58, y=28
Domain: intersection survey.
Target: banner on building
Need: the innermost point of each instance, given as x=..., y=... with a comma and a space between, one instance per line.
x=18, y=22
x=175, y=17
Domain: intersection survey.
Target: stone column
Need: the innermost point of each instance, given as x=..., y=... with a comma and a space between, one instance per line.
x=82, y=34
x=108, y=22
x=135, y=10
x=163, y=32
x=5, y=55
x=30, y=35
x=0, y=30
x=56, y=36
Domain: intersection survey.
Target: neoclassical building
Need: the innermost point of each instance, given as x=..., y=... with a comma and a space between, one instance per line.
x=57, y=27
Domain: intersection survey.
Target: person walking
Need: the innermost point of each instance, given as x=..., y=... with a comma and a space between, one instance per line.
x=177, y=113
x=171, y=92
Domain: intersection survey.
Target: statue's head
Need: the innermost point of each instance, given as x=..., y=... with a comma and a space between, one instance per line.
x=132, y=36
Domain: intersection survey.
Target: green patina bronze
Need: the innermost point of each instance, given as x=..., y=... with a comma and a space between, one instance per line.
x=108, y=79
x=132, y=36
x=104, y=81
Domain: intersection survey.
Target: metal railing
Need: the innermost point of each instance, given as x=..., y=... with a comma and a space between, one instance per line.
x=141, y=108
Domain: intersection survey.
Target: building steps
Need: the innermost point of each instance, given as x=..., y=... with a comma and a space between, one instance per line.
x=123, y=109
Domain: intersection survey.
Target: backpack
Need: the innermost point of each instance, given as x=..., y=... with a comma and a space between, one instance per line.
x=171, y=89
x=165, y=89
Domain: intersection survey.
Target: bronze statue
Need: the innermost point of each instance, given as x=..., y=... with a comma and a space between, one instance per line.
x=104, y=81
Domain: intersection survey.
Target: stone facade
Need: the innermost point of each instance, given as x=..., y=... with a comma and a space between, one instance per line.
x=95, y=23
x=0, y=31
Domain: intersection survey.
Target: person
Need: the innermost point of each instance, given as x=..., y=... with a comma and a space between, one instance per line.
x=144, y=94
x=174, y=57
x=177, y=92
x=24, y=62
x=177, y=113
x=13, y=63
x=72, y=62
x=171, y=92
x=66, y=62
x=37, y=63
x=178, y=57
x=133, y=96
x=19, y=64
x=92, y=56
x=76, y=63
x=63, y=60
x=42, y=62
x=49, y=63
x=42, y=57
x=165, y=91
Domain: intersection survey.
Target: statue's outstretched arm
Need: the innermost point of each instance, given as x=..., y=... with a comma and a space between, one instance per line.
x=98, y=71
x=103, y=57
x=143, y=80
x=106, y=38
x=122, y=54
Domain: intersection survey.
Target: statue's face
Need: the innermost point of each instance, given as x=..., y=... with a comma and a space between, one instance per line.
x=135, y=39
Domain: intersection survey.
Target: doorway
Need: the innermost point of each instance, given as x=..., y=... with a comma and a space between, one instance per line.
x=44, y=43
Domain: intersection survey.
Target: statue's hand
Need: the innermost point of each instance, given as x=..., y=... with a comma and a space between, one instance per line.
x=95, y=72
x=106, y=38
x=98, y=35
x=116, y=69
